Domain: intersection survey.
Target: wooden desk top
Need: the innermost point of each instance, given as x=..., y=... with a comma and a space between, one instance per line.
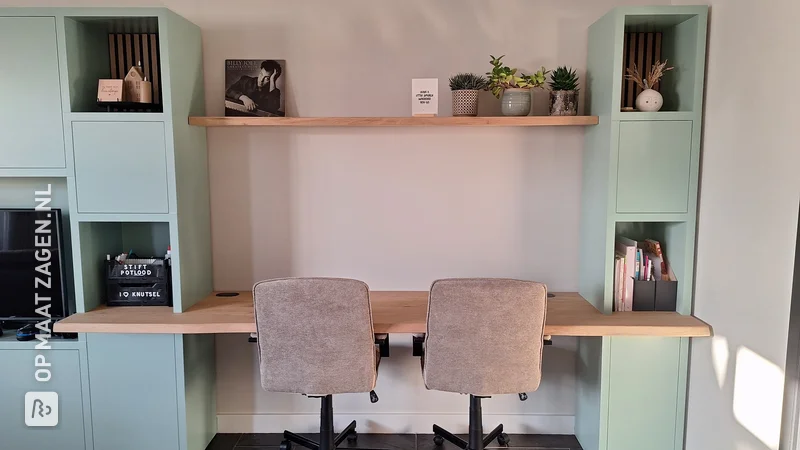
x=568, y=314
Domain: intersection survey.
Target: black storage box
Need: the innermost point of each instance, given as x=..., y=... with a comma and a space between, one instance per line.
x=139, y=282
x=655, y=295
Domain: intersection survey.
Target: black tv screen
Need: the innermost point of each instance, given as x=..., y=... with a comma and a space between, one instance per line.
x=31, y=265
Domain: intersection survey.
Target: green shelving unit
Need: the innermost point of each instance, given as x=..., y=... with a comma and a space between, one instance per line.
x=640, y=178
x=125, y=180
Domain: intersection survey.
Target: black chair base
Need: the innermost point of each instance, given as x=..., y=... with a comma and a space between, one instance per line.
x=476, y=439
x=327, y=441
x=290, y=438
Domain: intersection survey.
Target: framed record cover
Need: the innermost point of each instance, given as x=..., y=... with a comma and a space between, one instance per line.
x=254, y=87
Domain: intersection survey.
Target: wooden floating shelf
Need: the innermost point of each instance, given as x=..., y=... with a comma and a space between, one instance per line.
x=524, y=121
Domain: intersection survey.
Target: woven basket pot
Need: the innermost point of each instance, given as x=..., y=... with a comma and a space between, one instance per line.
x=465, y=102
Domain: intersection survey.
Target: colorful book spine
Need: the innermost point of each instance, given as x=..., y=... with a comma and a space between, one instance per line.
x=638, y=268
x=627, y=247
x=619, y=282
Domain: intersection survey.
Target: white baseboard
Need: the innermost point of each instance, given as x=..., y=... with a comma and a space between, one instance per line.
x=394, y=423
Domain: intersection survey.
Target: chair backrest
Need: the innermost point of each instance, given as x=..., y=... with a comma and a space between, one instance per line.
x=485, y=336
x=315, y=336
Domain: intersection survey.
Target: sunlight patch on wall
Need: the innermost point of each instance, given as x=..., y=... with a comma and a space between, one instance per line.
x=719, y=358
x=758, y=396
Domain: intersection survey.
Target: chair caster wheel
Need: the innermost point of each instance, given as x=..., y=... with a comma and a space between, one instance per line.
x=352, y=437
x=502, y=439
x=286, y=445
x=438, y=440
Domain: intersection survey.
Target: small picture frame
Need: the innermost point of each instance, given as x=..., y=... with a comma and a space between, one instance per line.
x=424, y=97
x=110, y=90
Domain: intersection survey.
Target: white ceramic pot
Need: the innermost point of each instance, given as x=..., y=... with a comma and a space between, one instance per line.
x=649, y=101
x=516, y=102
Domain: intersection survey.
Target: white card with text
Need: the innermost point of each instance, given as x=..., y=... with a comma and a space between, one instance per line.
x=424, y=96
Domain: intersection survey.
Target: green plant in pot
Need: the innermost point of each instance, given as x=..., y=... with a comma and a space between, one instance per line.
x=465, y=87
x=564, y=92
x=513, y=88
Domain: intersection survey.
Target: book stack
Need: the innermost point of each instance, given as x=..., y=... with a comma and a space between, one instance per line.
x=636, y=262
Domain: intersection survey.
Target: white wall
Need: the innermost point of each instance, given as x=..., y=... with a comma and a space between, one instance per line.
x=750, y=191
x=394, y=207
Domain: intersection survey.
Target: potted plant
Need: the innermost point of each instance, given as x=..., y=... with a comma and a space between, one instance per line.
x=515, y=89
x=465, y=87
x=649, y=100
x=563, y=92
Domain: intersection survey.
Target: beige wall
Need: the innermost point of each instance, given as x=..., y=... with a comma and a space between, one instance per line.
x=750, y=190
x=394, y=207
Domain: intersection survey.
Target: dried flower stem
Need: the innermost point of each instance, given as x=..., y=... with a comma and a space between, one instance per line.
x=656, y=72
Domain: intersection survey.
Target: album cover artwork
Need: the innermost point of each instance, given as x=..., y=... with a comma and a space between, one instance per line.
x=254, y=87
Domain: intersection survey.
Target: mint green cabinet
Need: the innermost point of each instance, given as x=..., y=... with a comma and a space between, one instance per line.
x=643, y=371
x=123, y=173
x=120, y=167
x=31, y=131
x=134, y=391
x=18, y=378
x=654, y=166
x=640, y=179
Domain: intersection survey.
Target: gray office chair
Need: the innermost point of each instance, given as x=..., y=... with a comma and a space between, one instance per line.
x=484, y=338
x=315, y=337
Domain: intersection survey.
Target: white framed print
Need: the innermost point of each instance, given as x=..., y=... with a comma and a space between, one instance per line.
x=424, y=97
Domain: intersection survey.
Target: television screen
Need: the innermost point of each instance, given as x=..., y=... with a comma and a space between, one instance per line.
x=31, y=265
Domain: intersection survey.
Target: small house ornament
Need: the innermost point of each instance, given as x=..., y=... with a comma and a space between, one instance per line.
x=137, y=88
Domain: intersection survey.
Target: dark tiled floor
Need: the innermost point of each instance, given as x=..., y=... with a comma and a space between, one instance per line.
x=271, y=441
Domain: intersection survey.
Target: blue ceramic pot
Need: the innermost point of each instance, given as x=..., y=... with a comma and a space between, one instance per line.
x=516, y=102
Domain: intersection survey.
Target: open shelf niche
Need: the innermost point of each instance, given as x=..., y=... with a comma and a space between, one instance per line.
x=98, y=239
x=106, y=48
x=675, y=38
x=676, y=246
x=18, y=193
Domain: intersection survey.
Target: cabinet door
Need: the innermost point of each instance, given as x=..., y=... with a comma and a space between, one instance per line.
x=31, y=132
x=18, y=378
x=643, y=393
x=653, y=168
x=120, y=167
x=133, y=391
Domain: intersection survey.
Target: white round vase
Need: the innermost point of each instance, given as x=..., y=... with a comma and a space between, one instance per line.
x=649, y=101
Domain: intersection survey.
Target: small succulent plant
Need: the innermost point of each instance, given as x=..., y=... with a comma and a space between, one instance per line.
x=468, y=81
x=503, y=77
x=564, y=79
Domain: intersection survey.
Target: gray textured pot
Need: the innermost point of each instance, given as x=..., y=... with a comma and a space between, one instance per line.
x=516, y=102
x=465, y=102
x=563, y=103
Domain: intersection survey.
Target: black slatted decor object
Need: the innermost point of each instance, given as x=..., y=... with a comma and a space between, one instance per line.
x=127, y=50
x=643, y=49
